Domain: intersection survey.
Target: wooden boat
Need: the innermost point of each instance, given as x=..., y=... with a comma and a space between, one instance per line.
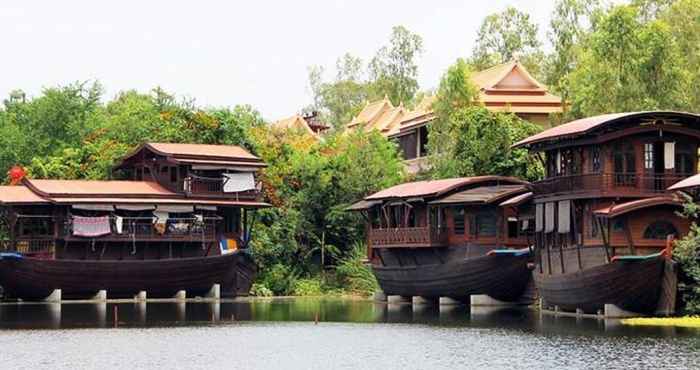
x=501, y=275
x=175, y=224
x=603, y=213
x=35, y=278
x=449, y=238
x=633, y=285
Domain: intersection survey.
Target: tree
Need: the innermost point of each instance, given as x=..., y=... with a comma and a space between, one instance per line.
x=569, y=26
x=505, y=36
x=467, y=139
x=637, y=65
x=342, y=98
x=393, y=70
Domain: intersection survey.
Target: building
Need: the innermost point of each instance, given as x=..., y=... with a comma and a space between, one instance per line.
x=506, y=87
x=307, y=123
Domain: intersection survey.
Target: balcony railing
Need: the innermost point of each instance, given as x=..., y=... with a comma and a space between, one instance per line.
x=408, y=237
x=213, y=186
x=39, y=247
x=607, y=183
x=145, y=228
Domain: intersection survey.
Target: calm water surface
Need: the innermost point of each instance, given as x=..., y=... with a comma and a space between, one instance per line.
x=283, y=334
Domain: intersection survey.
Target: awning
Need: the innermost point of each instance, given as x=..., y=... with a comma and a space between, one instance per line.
x=517, y=200
x=135, y=207
x=175, y=209
x=690, y=182
x=623, y=208
x=480, y=195
x=94, y=207
x=363, y=205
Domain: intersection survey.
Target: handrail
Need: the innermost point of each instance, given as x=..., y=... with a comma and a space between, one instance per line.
x=608, y=181
x=423, y=236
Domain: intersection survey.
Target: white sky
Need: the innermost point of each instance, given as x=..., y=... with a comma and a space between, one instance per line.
x=224, y=53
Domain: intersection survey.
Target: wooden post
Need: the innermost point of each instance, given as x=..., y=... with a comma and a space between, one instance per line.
x=628, y=236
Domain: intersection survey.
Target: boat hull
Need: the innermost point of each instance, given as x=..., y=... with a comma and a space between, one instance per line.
x=503, y=277
x=631, y=285
x=30, y=278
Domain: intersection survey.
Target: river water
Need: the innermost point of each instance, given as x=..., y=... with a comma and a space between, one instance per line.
x=326, y=334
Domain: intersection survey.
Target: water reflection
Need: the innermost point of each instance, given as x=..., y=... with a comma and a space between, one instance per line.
x=163, y=314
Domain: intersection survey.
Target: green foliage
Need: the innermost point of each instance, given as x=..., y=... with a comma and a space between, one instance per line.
x=354, y=274
x=686, y=252
x=308, y=287
x=394, y=69
x=260, y=290
x=505, y=36
x=637, y=64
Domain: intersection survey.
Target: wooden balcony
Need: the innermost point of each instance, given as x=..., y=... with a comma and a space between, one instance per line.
x=143, y=229
x=213, y=187
x=409, y=237
x=608, y=184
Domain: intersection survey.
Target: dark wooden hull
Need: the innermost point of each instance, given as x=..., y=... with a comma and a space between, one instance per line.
x=31, y=278
x=632, y=285
x=503, y=277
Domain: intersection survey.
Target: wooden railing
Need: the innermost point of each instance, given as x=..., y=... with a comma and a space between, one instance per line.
x=633, y=183
x=39, y=247
x=143, y=228
x=408, y=237
x=213, y=186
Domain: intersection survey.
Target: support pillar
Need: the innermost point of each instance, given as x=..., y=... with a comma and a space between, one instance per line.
x=612, y=311
x=380, y=297
x=141, y=296
x=214, y=292
x=425, y=301
x=181, y=295
x=485, y=300
x=101, y=296
x=447, y=301
x=399, y=299
x=54, y=297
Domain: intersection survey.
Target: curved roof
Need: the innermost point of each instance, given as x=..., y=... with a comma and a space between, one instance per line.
x=482, y=195
x=690, y=182
x=622, y=208
x=87, y=188
x=437, y=187
x=19, y=194
x=586, y=125
x=201, y=150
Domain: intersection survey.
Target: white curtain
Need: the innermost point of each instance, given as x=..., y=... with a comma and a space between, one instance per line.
x=549, y=217
x=238, y=181
x=669, y=155
x=564, y=216
x=539, y=217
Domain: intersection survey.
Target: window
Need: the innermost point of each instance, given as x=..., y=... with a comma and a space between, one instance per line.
x=618, y=225
x=649, y=156
x=173, y=174
x=513, y=231
x=594, y=227
x=624, y=163
x=458, y=217
x=659, y=230
x=486, y=224
x=684, y=159
x=596, y=163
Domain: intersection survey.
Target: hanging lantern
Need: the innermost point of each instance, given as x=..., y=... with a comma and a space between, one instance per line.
x=16, y=174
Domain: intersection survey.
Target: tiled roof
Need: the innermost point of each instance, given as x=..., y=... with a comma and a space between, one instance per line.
x=201, y=150
x=19, y=195
x=585, y=125
x=370, y=112
x=117, y=200
x=295, y=122
x=482, y=194
x=77, y=188
x=436, y=187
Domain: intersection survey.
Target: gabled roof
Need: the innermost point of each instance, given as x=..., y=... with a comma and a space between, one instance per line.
x=18, y=194
x=586, y=125
x=432, y=188
x=623, y=208
x=371, y=112
x=202, y=152
x=295, y=122
x=507, y=76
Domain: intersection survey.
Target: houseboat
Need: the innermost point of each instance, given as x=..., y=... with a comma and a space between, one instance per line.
x=604, y=219
x=449, y=238
x=180, y=220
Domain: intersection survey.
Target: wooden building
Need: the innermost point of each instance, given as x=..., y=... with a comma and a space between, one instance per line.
x=603, y=215
x=449, y=238
x=308, y=123
x=507, y=87
x=180, y=221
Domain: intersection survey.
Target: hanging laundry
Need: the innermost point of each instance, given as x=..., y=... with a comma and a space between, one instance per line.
x=228, y=246
x=91, y=226
x=119, y=224
x=238, y=181
x=160, y=221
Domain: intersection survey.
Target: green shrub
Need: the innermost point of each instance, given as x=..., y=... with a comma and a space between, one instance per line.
x=260, y=290
x=685, y=252
x=308, y=287
x=280, y=279
x=353, y=273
